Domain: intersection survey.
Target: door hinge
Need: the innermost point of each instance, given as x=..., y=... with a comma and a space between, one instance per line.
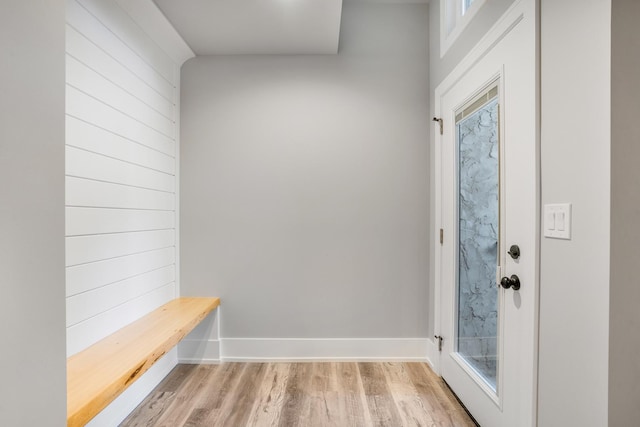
x=435, y=119
x=441, y=236
x=440, y=340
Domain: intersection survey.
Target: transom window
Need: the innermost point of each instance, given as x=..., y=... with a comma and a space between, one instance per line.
x=454, y=17
x=466, y=4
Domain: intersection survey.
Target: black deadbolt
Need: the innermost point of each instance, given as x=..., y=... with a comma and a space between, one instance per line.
x=514, y=251
x=510, y=282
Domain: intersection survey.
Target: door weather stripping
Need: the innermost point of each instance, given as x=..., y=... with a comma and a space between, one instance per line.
x=435, y=119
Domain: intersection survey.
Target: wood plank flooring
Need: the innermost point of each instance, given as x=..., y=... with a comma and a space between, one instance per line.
x=323, y=394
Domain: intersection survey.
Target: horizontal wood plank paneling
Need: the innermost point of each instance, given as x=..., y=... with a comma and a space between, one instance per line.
x=85, y=277
x=91, y=138
x=83, y=334
x=96, y=301
x=87, y=221
x=84, y=50
x=85, y=164
x=93, y=84
x=88, y=192
x=91, y=110
x=100, y=33
x=123, y=27
x=99, y=247
x=121, y=167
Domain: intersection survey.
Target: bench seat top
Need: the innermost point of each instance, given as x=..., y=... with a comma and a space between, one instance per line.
x=101, y=372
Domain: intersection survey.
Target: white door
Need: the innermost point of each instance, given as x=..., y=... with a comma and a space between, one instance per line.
x=488, y=202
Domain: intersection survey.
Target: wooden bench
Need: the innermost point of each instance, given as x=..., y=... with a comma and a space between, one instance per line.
x=100, y=373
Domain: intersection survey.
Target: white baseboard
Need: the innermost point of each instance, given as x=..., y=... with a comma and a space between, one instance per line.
x=194, y=351
x=433, y=356
x=330, y=349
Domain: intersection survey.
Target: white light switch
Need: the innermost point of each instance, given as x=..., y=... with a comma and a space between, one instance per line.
x=549, y=220
x=557, y=221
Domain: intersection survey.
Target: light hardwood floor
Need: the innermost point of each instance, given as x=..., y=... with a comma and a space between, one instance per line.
x=301, y=394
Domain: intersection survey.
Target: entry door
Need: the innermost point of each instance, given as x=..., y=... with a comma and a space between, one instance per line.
x=488, y=202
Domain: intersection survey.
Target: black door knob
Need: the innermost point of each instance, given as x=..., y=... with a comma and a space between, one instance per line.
x=510, y=282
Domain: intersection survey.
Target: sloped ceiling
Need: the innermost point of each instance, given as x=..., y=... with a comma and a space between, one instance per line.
x=218, y=27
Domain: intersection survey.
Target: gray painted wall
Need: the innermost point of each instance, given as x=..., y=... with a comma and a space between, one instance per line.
x=575, y=150
x=305, y=183
x=32, y=307
x=624, y=321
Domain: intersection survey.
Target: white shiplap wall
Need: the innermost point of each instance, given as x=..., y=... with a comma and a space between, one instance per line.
x=121, y=175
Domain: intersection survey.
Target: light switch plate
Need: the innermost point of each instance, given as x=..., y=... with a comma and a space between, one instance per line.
x=557, y=221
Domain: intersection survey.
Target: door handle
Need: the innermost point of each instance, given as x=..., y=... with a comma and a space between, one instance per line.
x=510, y=282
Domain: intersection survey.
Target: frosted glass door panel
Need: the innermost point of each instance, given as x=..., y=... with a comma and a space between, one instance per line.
x=478, y=215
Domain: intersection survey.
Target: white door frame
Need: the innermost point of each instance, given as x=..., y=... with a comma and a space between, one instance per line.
x=504, y=25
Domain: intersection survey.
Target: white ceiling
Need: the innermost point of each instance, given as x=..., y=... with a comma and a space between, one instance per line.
x=215, y=27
